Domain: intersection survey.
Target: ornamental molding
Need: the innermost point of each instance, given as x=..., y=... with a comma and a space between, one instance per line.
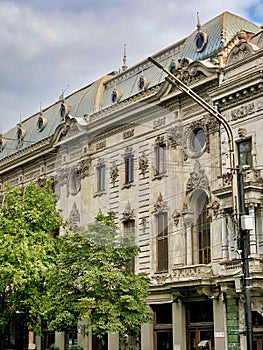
x=160, y=205
x=128, y=213
x=84, y=168
x=74, y=217
x=197, y=179
x=114, y=173
x=190, y=72
x=126, y=103
x=187, y=135
x=238, y=97
x=241, y=50
x=184, y=273
x=175, y=136
x=143, y=163
x=176, y=217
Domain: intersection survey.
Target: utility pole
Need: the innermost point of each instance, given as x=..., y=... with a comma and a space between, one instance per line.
x=244, y=244
x=238, y=202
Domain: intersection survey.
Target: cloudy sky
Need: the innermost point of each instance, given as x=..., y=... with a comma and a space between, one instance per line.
x=51, y=45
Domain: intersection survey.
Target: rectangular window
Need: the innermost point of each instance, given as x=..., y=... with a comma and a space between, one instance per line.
x=203, y=223
x=163, y=326
x=162, y=242
x=245, y=152
x=129, y=226
x=101, y=172
x=129, y=169
x=160, y=159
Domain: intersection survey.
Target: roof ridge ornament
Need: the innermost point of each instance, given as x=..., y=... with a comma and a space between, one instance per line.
x=124, y=67
x=201, y=37
x=198, y=22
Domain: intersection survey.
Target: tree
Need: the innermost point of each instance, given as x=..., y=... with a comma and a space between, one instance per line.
x=91, y=281
x=27, y=251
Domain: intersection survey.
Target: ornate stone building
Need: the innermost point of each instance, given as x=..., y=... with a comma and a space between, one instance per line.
x=133, y=143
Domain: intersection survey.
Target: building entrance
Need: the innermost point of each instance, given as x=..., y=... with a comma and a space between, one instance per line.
x=200, y=325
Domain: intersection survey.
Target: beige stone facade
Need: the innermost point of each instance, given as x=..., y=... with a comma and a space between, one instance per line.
x=133, y=143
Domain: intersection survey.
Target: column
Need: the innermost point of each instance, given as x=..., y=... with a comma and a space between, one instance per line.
x=252, y=232
x=147, y=336
x=60, y=340
x=179, y=331
x=188, y=223
x=113, y=340
x=220, y=333
x=225, y=254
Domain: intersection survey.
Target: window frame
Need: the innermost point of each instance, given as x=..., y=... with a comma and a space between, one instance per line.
x=101, y=178
x=129, y=169
x=203, y=230
x=129, y=226
x=247, y=153
x=160, y=159
x=162, y=251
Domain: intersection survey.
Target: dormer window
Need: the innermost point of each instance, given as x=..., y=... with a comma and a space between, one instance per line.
x=64, y=110
x=41, y=123
x=143, y=83
x=115, y=96
x=172, y=67
x=2, y=143
x=200, y=41
x=20, y=133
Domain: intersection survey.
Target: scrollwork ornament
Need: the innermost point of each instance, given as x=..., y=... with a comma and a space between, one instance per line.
x=160, y=205
x=114, y=173
x=143, y=163
x=176, y=217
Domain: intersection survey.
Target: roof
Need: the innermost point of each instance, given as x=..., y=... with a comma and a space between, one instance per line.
x=98, y=96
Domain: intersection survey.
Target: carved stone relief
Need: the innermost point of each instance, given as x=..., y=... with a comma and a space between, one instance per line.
x=128, y=213
x=160, y=205
x=197, y=179
x=143, y=163
x=74, y=216
x=114, y=173
x=175, y=136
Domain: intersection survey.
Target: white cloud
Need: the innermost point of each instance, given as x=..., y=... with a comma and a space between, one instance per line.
x=46, y=45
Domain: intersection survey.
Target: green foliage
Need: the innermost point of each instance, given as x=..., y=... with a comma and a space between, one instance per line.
x=27, y=250
x=75, y=347
x=90, y=280
x=53, y=347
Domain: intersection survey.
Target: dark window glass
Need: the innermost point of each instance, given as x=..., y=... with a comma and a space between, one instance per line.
x=245, y=152
x=129, y=169
x=203, y=224
x=162, y=242
x=160, y=157
x=198, y=139
x=163, y=313
x=101, y=178
x=129, y=226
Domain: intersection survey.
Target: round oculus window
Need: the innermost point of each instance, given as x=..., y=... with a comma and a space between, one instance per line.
x=198, y=139
x=200, y=41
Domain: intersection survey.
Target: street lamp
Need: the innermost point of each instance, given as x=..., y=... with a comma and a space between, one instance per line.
x=237, y=193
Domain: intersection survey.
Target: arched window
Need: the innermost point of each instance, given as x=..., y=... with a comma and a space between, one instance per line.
x=203, y=229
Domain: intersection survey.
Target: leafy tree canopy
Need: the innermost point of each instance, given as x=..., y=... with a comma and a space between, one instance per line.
x=27, y=250
x=91, y=280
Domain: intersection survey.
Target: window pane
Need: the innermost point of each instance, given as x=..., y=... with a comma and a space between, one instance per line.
x=129, y=226
x=160, y=159
x=203, y=223
x=101, y=178
x=162, y=242
x=129, y=169
x=245, y=152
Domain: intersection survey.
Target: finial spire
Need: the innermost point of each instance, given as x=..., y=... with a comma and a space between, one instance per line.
x=198, y=22
x=124, y=67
